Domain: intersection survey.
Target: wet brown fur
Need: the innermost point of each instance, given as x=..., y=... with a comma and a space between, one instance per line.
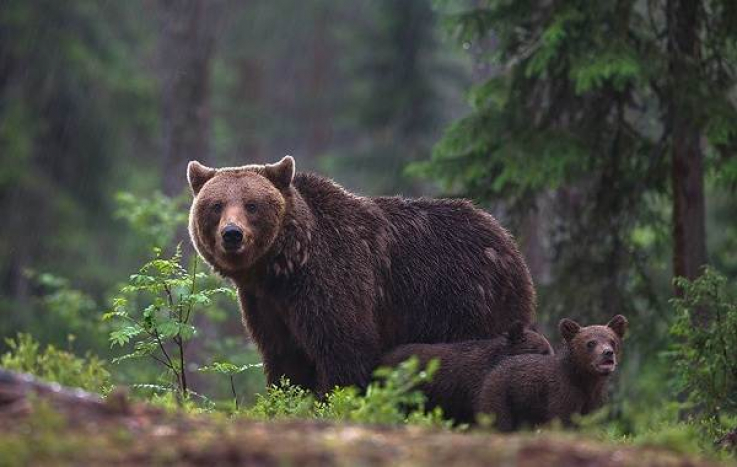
x=530, y=390
x=330, y=280
x=464, y=364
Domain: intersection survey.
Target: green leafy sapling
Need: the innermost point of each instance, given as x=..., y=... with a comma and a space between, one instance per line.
x=230, y=370
x=154, y=314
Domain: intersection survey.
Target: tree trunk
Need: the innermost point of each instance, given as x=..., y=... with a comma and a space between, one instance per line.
x=188, y=30
x=689, y=231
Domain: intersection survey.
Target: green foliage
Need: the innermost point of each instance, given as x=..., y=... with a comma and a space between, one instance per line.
x=153, y=314
x=75, y=308
x=703, y=354
x=230, y=370
x=283, y=400
x=51, y=364
x=392, y=399
x=63, y=150
x=570, y=130
x=156, y=219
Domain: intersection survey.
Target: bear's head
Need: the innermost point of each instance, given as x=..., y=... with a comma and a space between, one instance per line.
x=237, y=212
x=525, y=340
x=594, y=349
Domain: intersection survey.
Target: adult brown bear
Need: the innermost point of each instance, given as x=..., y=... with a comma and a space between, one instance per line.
x=328, y=280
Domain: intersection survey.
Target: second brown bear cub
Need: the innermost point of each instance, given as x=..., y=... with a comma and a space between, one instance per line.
x=464, y=364
x=536, y=389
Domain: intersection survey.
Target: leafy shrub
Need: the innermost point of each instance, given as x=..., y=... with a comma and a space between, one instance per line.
x=392, y=399
x=155, y=219
x=283, y=400
x=77, y=309
x=230, y=370
x=51, y=364
x=705, y=357
x=154, y=314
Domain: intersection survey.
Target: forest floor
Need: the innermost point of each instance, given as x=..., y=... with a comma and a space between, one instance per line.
x=48, y=425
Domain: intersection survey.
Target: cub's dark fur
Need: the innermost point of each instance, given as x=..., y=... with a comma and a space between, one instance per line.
x=464, y=364
x=329, y=280
x=535, y=389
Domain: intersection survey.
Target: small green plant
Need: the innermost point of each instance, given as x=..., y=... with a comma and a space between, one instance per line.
x=154, y=314
x=51, y=364
x=283, y=400
x=76, y=308
x=393, y=398
x=230, y=370
x=705, y=356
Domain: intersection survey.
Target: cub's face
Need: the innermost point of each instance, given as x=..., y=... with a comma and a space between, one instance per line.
x=595, y=349
x=523, y=340
x=236, y=213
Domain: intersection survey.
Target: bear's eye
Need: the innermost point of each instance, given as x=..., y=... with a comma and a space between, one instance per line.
x=251, y=207
x=591, y=344
x=217, y=208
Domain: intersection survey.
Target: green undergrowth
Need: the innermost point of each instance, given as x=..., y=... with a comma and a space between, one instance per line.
x=392, y=399
x=26, y=355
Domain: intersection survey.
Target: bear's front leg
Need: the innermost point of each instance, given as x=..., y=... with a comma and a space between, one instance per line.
x=291, y=364
x=281, y=355
x=344, y=349
x=493, y=401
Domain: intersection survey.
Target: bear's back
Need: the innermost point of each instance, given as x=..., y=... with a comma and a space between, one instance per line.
x=466, y=277
x=442, y=270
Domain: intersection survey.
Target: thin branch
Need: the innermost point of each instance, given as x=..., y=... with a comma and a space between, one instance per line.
x=163, y=362
x=166, y=354
x=235, y=395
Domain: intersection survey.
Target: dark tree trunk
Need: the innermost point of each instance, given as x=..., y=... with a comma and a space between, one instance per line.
x=188, y=30
x=689, y=231
x=318, y=82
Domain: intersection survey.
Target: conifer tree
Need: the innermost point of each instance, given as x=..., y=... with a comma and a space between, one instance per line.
x=607, y=108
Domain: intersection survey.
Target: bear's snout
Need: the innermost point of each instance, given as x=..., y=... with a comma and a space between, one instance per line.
x=232, y=237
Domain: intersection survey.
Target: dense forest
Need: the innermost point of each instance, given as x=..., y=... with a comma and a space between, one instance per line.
x=603, y=135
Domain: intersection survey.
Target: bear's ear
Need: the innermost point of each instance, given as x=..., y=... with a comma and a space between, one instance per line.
x=618, y=324
x=568, y=328
x=516, y=331
x=281, y=173
x=198, y=175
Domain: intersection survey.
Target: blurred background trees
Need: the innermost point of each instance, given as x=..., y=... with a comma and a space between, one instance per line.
x=601, y=133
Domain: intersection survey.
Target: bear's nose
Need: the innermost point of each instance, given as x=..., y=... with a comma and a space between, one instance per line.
x=232, y=237
x=608, y=353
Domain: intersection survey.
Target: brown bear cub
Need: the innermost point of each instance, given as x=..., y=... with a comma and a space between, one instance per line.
x=529, y=390
x=464, y=364
x=328, y=281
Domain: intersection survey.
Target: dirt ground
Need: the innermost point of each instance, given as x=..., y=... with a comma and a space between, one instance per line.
x=49, y=425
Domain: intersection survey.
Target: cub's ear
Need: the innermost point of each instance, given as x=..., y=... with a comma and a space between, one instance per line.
x=516, y=331
x=568, y=328
x=198, y=175
x=281, y=173
x=618, y=324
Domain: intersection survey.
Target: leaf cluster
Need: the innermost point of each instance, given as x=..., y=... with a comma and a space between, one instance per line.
x=704, y=353
x=393, y=398
x=153, y=314
x=26, y=355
